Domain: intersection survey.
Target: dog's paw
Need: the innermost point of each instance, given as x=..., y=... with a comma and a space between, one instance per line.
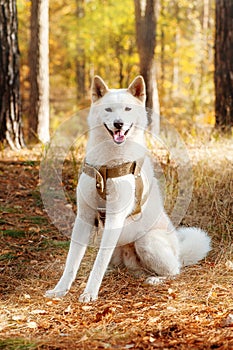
x=87, y=297
x=53, y=293
x=153, y=280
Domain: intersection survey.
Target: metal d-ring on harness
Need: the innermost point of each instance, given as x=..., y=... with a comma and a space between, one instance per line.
x=101, y=174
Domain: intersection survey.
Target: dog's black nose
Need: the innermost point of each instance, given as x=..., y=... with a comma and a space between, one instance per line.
x=118, y=123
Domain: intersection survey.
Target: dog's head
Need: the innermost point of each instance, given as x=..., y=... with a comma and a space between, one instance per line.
x=119, y=111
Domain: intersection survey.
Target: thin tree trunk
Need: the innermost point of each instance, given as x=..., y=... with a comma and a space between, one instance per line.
x=204, y=55
x=10, y=99
x=81, y=73
x=39, y=71
x=81, y=59
x=176, y=67
x=145, y=18
x=224, y=65
x=162, y=54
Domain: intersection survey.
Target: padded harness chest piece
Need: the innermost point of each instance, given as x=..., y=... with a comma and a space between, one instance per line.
x=103, y=173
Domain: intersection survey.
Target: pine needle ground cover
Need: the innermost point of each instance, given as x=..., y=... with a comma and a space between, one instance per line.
x=193, y=310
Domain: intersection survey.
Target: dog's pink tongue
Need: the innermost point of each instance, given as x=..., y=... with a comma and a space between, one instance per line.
x=119, y=136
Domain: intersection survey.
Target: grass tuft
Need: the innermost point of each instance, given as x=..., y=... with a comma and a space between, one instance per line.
x=14, y=233
x=17, y=344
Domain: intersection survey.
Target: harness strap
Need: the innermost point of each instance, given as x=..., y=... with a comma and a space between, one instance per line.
x=138, y=189
x=102, y=173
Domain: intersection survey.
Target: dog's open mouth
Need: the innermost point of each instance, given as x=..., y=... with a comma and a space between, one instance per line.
x=118, y=135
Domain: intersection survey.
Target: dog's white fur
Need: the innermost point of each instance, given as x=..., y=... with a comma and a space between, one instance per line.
x=145, y=242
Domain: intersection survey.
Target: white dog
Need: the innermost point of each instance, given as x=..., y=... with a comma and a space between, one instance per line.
x=117, y=185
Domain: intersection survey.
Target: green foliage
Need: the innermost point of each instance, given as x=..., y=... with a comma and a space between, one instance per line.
x=185, y=63
x=104, y=30
x=110, y=35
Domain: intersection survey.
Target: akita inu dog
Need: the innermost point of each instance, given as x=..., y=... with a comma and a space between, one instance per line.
x=117, y=184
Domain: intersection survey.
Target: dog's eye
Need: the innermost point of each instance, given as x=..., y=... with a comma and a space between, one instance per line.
x=127, y=109
x=108, y=109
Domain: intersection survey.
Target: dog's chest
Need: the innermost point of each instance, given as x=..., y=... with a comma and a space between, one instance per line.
x=119, y=189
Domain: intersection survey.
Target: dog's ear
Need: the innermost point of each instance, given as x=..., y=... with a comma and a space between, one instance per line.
x=138, y=88
x=98, y=88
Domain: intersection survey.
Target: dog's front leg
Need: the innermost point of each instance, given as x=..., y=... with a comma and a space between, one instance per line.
x=111, y=234
x=79, y=241
x=119, y=204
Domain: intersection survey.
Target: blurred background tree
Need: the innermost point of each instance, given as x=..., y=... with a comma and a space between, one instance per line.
x=224, y=65
x=146, y=15
x=10, y=99
x=99, y=37
x=38, y=116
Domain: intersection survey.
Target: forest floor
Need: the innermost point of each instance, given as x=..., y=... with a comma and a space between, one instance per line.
x=194, y=310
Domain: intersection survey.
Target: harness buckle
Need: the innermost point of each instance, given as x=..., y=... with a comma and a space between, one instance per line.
x=99, y=181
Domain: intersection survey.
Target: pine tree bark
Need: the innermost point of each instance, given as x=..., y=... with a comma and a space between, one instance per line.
x=10, y=99
x=39, y=71
x=223, y=77
x=146, y=19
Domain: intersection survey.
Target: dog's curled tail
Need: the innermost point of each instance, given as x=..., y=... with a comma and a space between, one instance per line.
x=194, y=245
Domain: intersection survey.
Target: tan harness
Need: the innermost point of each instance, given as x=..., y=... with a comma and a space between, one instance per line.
x=101, y=174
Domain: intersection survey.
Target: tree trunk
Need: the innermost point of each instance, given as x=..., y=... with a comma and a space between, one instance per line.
x=81, y=73
x=162, y=54
x=39, y=71
x=146, y=18
x=224, y=65
x=81, y=59
x=10, y=99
